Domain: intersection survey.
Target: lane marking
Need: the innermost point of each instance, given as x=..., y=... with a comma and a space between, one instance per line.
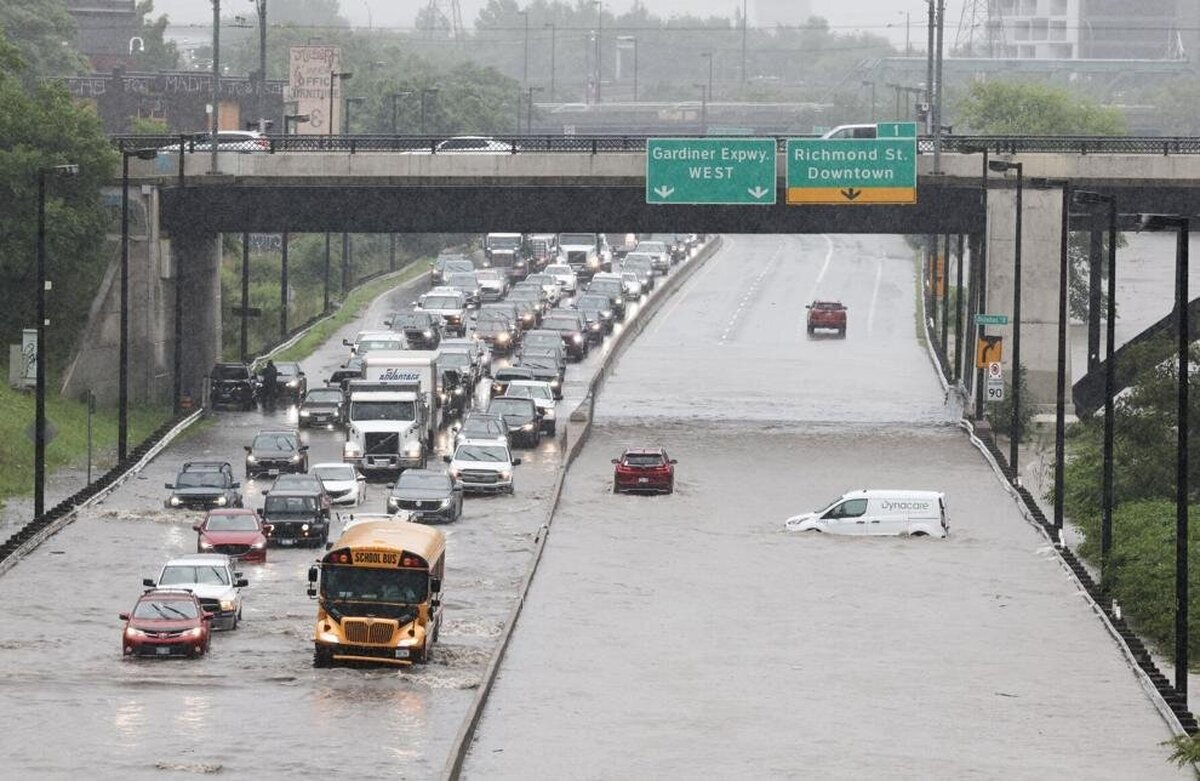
x=750, y=292
x=874, y=297
x=682, y=294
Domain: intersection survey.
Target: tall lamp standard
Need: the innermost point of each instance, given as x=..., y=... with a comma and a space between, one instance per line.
x=424, y=93
x=123, y=360
x=553, y=28
x=261, y=7
x=214, y=123
x=599, y=48
x=871, y=84
x=1002, y=166
x=708, y=56
x=334, y=78
x=39, y=412
x=632, y=39
x=979, y=273
x=525, y=65
x=703, y=108
x=529, y=108
x=1182, y=431
x=1110, y=382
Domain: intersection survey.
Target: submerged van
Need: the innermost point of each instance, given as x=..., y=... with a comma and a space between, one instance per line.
x=879, y=512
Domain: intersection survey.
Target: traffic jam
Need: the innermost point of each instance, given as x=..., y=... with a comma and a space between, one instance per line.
x=436, y=406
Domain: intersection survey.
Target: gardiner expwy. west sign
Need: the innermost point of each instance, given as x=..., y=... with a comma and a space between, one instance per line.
x=732, y=171
x=851, y=171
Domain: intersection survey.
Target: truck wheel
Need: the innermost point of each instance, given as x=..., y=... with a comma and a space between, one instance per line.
x=322, y=657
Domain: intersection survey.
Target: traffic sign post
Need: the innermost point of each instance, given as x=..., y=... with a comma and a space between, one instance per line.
x=995, y=370
x=995, y=389
x=989, y=349
x=985, y=319
x=718, y=171
x=851, y=170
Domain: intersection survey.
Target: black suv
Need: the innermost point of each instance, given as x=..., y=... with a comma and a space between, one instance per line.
x=422, y=330
x=323, y=407
x=204, y=485
x=522, y=418
x=293, y=517
x=572, y=329
x=427, y=496
x=290, y=382
x=233, y=385
x=275, y=451
x=352, y=369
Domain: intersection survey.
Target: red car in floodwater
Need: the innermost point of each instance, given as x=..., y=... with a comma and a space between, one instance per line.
x=644, y=469
x=166, y=623
x=830, y=315
x=236, y=532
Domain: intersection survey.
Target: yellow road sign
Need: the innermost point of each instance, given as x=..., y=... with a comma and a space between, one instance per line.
x=989, y=349
x=852, y=195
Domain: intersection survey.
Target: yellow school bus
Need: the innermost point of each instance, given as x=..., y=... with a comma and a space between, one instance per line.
x=378, y=592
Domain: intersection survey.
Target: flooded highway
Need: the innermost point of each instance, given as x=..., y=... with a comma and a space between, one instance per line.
x=254, y=705
x=689, y=635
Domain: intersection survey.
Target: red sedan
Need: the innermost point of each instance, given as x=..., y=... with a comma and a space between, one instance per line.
x=166, y=623
x=235, y=531
x=647, y=469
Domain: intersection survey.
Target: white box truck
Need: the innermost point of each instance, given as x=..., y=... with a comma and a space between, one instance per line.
x=393, y=412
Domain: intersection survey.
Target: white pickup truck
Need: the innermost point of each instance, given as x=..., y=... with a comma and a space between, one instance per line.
x=394, y=412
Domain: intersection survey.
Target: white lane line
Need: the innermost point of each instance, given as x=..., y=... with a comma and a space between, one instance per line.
x=750, y=293
x=874, y=297
x=682, y=293
x=802, y=323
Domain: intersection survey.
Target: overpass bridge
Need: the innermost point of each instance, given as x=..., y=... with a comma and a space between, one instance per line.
x=370, y=184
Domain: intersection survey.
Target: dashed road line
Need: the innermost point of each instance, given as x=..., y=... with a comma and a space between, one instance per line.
x=750, y=293
x=802, y=323
x=874, y=296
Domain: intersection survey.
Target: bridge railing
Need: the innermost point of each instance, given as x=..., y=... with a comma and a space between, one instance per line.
x=603, y=144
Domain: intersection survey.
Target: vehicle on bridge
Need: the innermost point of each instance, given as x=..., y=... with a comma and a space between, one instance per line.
x=203, y=485
x=378, y=593
x=166, y=622
x=876, y=512
x=828, y=315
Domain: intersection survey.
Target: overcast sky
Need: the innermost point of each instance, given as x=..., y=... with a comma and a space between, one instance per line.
x=843, y=15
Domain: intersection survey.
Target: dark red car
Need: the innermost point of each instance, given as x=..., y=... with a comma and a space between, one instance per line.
x=166, y=623
x=647, y=469
x=830, y=315
x=237, y=532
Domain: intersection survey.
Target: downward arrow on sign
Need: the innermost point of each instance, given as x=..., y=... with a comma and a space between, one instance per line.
x=758, y=192
x=851, y=193
x=663, y=191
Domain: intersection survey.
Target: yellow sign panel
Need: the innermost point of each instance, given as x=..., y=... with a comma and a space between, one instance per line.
x=852, y=195
x=989, y=349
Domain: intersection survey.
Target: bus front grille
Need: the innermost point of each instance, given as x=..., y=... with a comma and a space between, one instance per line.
x=368, y=632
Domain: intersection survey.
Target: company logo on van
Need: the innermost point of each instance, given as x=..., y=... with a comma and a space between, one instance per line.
x=399, y=375
x=888, y=505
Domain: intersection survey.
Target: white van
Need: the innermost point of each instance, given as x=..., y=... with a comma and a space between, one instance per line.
x=879, y=512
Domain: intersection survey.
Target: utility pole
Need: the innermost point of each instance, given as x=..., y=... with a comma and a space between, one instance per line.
x=216, y=85
x=743, y=42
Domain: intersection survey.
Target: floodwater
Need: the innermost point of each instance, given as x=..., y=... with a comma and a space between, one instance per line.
x=690, y=636
x=254, y=705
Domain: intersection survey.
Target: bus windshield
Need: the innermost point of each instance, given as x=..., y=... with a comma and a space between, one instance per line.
x=375, y=584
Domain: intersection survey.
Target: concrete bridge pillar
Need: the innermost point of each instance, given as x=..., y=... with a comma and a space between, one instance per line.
x=1040, y=260
x=196, y=262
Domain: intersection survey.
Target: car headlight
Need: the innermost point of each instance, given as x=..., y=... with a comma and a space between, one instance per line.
x=251, y=459
x=304, y=527
x=455, y=473
x=445, y=503
x=259, y=545
x=594, y=326
x=506, y=475
x=412, y=450
x=195, y=632
x=219, y=501
x=131, y=632
x=576, y=338
x=328, y=637
x=527, y=427
x=293, y=383
x=443, y=397
x=206, y=544
x=393, y=504
x=501, y=337
x=458, y=391
x=527, y=316
x=305, y=413
x=606, y=313
x=227, y=605
x=176, y=501
x=427, y=334
x=549, y=413
x=295, y=458
x=554, y=383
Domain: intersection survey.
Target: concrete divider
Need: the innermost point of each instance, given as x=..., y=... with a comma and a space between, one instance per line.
x=575, y=435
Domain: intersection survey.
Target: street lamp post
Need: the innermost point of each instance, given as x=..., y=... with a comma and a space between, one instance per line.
x=39, y=410
x=871, y=84
x=552, y=48
x=599, y=49
x=123, y=360
x=703, y=109
x=708, y=56
x=395, y=98
x=1015, y=425
x=425, y=92
x=261, y=7
x=214, y=124
x=525, y=66
x=529, y=108
x=633, y=39
x=979, y=273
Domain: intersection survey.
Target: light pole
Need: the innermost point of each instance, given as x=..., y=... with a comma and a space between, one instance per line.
x=599, y=49
x=708, y=56
x=214, y=125
x=552, y=48
x=396, y=97
x=743, y=42
x=529, y=108
x=703, y=109
x=936, y=108
x=632, y=39
x=1110, y=381
x=1182, y=430
x=334, y=77
x=123, y=360
x=525, y=66
x=1015, y=425
x=425, y=92
x=261, y=7
x=39, y=412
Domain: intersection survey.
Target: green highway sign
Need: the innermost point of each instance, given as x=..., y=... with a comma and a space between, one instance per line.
x=852, y=170
x=991, y=319
x=722, y=171
x=896, y=130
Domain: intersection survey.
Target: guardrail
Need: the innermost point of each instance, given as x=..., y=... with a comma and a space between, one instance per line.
x=605, y=144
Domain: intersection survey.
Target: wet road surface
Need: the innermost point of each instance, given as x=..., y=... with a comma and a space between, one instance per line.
x=254, y=705
x=690, y=636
